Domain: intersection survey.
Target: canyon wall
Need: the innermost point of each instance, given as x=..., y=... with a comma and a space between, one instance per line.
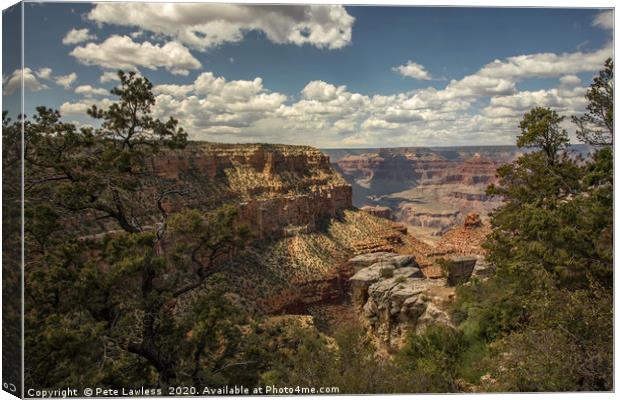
x=431, y=190
x=279, y=190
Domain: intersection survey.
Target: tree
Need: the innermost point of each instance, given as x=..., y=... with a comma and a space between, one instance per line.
x=112, y=271
x=540, y=128
x=433, y=357
x=596, y=126
x=546, y=315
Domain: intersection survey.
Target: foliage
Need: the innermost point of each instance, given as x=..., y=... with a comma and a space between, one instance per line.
x=596, y=126
x=433, y=358
x=540, y=128
x=544, y=320
x=546, y=315
x=135, y=305
x=349, y=362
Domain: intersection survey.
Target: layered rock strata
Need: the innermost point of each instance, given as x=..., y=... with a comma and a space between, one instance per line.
x=377, y=211
x=280, y=190
x=394, y=298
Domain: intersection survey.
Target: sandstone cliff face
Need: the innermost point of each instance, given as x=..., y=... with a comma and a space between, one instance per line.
x=280, y=190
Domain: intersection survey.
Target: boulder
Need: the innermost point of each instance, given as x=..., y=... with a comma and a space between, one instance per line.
x=395, y=305
x=403, y=261
x=460, y=269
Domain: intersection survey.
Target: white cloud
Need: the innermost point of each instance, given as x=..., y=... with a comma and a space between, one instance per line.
x=413, y=70
x=483, y=107
x=214, y=105
x=173, y=90
x=75, y=36
x=14, y=82
x=88, y=91
x=66, y=80
x=44, y=73
x=109, y=76
x=479, y=85
x=546, y=64
x=604, y=20
x=570, y=81
x=79, y=108
x=121, y=52
x=566, y=101
x=203, y=26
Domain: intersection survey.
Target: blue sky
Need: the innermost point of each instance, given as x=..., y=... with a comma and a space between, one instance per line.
x=327, y=76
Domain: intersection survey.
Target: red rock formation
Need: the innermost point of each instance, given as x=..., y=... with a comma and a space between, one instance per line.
x=466, y=239
x=472, y=220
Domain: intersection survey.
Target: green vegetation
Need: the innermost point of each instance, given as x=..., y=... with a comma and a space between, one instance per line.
x=348, y=361
x=149, y=301
x=138, y=304
x=544, y=321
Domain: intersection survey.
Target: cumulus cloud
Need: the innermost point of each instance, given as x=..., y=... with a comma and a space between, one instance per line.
x=44, y=73
x=570, y=81
x=109, y=76
x=87, y=90
x=173, y=90
x=215, y=105
x=483, y=107
x=546, y=64
x=604, y=20
x=413, y=70
x=479, y=85
x=121, y=52
x=13, y=82
x=203, y=26
x=79, y=108
x=75, y=36
x=66, y=80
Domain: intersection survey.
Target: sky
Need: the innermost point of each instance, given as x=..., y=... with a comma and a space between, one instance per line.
x=327, y=76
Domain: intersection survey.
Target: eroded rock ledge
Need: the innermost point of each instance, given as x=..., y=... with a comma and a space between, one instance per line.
x=394, y=298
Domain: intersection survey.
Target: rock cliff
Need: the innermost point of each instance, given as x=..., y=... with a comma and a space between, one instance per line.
x=280, y=190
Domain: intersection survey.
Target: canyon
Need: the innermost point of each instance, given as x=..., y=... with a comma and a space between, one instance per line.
x=316, y=254
x=430, y=190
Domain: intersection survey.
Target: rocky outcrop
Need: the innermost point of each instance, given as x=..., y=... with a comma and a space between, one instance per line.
x=472, y=220
x=462, y=247
x=280, y=190
x=466, y=239
x=289, y=215
x=214, y=159
x=459, y=269
x=393, y=297
x=378, y=211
